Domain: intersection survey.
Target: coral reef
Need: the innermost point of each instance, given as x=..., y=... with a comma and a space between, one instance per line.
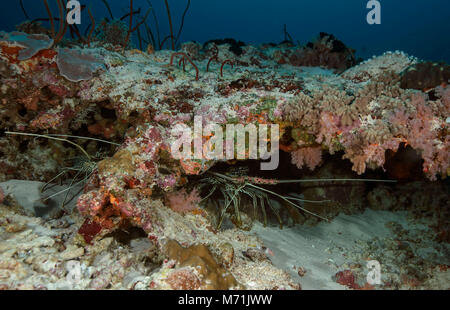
x=113, y=32
x=403, y=252
x=33, y=28
x=309, y=156
x=425, y=76
x=182, y=202
x=206, y=273
x=326, y=51
x=28, y=45
x=233, y=45
x=374, y=118
x=47, y=254
x=363, y=112
x=363, y=116
x=77, y=66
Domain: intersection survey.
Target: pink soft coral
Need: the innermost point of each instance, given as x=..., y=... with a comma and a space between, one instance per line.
x=183, y=202
x=444, y=93
x=373, y=155
x=329, y=128
x=309, y=156
x=423, y=131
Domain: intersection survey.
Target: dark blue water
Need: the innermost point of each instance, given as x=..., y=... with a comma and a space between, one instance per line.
x=418, y=27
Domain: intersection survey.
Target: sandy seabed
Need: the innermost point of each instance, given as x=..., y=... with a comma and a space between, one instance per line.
x=41, y=252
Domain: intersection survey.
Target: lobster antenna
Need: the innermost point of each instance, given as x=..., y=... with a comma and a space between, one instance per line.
x=49, y=137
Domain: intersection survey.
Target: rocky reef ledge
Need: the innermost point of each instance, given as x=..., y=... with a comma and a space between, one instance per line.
x=370, y=115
